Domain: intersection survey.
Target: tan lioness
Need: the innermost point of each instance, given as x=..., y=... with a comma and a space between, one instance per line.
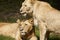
x=28, y=30
x=47, y=17
x=19, y=30
x=10, y=29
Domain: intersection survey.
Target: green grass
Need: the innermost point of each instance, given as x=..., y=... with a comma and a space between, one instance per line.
x=51, y=37
x=54, y=38
x=37, y=31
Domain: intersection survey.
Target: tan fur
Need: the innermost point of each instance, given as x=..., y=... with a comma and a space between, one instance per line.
x=10, y=29
x=47, y=17
x=14, y=29
x=29, y=29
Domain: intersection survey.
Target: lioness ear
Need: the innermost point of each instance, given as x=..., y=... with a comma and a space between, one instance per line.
x=33, y=1
x=18, y=20
x=31, y=20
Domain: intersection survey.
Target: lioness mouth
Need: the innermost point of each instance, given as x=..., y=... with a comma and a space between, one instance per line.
x=23, y=14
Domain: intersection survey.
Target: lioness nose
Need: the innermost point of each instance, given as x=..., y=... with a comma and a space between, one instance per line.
x=24, y=33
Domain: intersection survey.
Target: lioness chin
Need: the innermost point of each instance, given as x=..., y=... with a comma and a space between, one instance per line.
x=46, y=16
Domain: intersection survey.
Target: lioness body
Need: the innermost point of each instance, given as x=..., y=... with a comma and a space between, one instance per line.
x=47, y=17
x=7, y=28
x=10, y=29
x=19, y=30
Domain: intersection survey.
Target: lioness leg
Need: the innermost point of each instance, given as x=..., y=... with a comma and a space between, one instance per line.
x=42, y=30
x=18, y=36
x=33, y=38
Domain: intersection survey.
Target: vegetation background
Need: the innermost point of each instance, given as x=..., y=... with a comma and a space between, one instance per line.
x=9, y=12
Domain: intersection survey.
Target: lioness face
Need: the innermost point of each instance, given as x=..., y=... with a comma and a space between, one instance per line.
x=26, y=26
x=26, y=7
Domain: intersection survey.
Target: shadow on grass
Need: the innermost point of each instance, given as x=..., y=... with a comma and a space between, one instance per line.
x=6, y=38
x=51, y=37
x=54, y=38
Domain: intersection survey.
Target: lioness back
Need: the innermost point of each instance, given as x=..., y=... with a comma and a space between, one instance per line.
x=8, y=29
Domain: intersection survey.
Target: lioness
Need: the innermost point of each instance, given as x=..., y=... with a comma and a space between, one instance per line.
x=11, y=29
x=28, y=30
x=20, y=30
x=46, y=16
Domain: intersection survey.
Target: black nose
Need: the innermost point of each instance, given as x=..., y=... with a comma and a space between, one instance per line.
x=24, y=32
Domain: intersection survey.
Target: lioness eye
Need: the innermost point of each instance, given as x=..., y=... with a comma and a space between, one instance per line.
x=25, y=5
x=25, y=24
x=20, y=25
